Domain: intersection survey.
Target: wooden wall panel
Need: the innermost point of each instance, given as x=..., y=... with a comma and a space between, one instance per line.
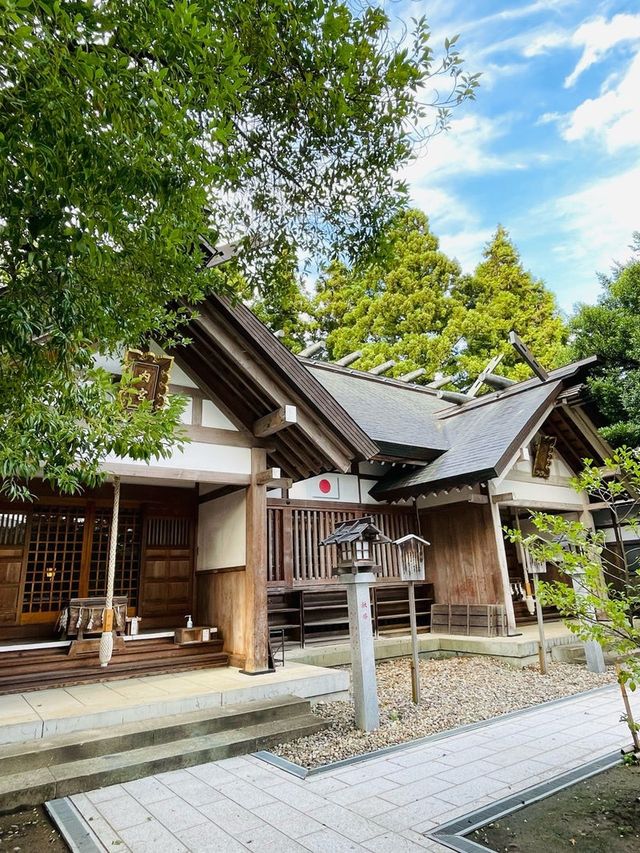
x=462, y=561
x=10, y=584
x=219, y=602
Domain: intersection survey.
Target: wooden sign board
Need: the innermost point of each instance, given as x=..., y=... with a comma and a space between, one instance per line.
x=151, y=373
x=412, y=566
x=538, y=567
x=544, y=457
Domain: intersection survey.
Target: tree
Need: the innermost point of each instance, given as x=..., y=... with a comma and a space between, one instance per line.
x=611, y=330
x=285, y=307
x=399, y=307
x=133, y=132
x=594, y=606
x=500, y=297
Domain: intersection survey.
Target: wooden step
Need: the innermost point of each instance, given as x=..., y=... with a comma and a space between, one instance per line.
x=20, y=671
x=31, y=774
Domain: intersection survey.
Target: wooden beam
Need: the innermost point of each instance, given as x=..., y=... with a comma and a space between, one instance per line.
x=255, y=603
x=413, y=374
x=498, y=499
x=477, y=499
x=503, y=566
x=275, y=421
x=490, y=367
x=525, y=353
x=155, y=472
x=349, y=358
x=382, y=368
x=272, y=478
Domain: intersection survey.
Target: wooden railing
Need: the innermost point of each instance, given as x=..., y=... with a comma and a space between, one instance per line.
x=295, y=530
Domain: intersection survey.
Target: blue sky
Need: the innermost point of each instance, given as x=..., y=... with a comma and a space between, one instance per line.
x=551, y=146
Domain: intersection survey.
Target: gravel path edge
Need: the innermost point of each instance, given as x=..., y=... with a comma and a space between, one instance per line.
x=305, y=772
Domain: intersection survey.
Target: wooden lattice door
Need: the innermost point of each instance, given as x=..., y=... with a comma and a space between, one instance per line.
x=54, y=561
x=166, y=591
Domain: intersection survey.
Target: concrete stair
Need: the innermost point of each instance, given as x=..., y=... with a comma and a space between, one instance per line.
x=32, y=773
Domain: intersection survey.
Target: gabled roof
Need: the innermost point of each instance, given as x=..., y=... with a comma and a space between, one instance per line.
x=241, y=363
x=399, y=417
x=482, y=441
x=461, y=443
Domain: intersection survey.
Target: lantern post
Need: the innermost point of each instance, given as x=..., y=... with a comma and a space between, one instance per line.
x=412, y=569
x=355, y=569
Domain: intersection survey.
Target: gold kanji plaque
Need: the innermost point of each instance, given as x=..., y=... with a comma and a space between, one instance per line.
x=151, y=373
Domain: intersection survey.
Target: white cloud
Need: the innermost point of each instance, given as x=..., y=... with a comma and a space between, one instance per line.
x=466, y=246
x=598, y=37
x=594, y=224
x=464, y=149
x=595, y=38
x=614, y=116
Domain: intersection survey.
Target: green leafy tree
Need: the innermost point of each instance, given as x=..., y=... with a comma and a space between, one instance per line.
x=594, y=605
x=611, y=330
x=130, y=133
x=284, y=307
x=399, y=307
x=502, y=296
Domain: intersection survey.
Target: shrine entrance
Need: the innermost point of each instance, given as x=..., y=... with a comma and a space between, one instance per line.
x=56, y=549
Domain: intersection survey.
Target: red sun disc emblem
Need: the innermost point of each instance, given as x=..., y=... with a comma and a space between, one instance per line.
x=324, y=486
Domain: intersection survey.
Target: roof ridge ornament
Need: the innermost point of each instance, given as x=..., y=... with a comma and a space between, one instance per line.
x=525, y=353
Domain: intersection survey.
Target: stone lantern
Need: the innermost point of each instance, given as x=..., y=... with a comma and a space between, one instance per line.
x=356, y=541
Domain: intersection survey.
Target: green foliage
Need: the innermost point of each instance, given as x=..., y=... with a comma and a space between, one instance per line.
x=611, y=330
x=500, y=297
x=285, y=307
x=413, y=305
x=593, y=607
x=399, y=307
x=129, y=132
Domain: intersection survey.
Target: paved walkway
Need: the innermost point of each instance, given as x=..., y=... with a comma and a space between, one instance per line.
x=382, y=805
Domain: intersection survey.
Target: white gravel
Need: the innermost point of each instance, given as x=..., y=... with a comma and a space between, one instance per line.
x=455, y=691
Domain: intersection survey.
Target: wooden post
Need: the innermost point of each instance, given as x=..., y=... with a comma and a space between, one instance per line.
x=494, y=509
x=542, y=646
x=256, y=626
x=415, y=659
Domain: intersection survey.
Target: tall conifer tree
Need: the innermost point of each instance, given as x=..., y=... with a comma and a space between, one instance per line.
x=397, y=308
x=502, y=296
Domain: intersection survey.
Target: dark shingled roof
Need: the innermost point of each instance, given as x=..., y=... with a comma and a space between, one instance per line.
x=461, y=444
x=399, y=417
x=482, y=439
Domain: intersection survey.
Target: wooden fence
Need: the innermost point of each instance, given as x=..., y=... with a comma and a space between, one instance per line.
x=296, y=558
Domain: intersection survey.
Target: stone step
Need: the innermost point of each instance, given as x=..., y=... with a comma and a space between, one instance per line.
x=76, y=746
x=27, y=789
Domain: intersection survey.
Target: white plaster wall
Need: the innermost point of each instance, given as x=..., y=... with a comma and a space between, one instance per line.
x=222, y=525
x=198, y=456
x=212, y=416
x=347, y=491
x=540, y=492
x=554, y=490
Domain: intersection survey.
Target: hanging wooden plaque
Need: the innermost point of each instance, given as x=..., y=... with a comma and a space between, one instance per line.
x=544, y=456
x=152, y=373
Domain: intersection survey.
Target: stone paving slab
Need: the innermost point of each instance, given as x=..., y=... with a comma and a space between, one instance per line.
x=388, y=804
x=63, y=710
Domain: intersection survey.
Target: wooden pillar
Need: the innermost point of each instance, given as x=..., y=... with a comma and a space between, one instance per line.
x=256, y=649
x=502, y=561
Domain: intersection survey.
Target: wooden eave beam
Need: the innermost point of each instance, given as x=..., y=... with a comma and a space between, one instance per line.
x=275, y=421
x=273, y=479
